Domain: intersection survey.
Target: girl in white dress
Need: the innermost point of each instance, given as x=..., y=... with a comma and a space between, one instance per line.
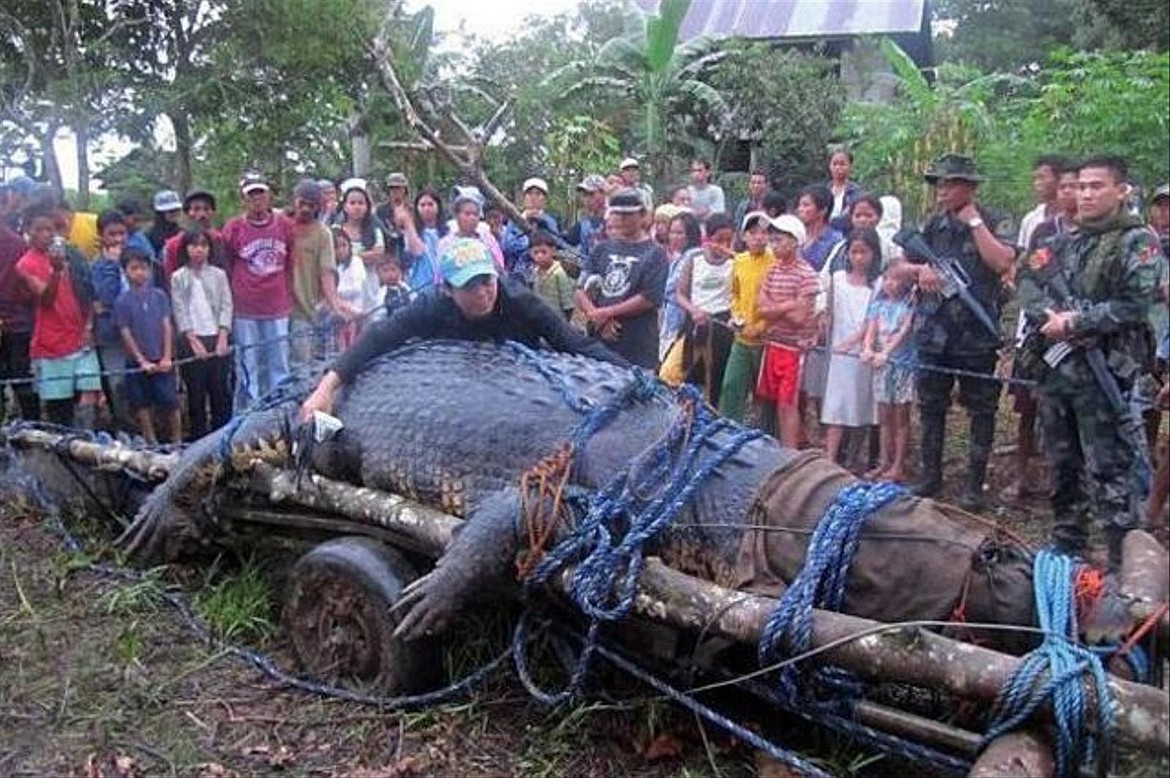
x=848, y=398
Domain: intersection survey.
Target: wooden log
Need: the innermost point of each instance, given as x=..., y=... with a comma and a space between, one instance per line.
x=873, y=650
x=417, y=527
x=886, y=653
x=1145, y=577
x=1022, y=754
x=150, y=465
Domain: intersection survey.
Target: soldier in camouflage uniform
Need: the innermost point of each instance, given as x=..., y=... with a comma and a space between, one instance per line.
x=949, y=335
x=1097, y=295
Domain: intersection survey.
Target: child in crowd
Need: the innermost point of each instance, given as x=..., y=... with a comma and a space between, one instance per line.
x=351, y=287
x=848, y=400
x=887, y=347
x=748, y=270
x=67, y=371
x=202, y=303
x=785, y=302
x=108, y=283
x=396, y=294
x=551, y=282
x=143, y=316
x=703, y=291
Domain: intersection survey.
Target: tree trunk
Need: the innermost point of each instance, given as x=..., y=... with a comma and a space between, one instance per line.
x=51, y=171
x=81, y=133
x=359, y=143
x=182, y=127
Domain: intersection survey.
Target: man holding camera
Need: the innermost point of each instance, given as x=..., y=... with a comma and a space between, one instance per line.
x=950, y=336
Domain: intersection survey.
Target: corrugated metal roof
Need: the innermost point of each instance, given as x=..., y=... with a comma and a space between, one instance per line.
x=796, y=18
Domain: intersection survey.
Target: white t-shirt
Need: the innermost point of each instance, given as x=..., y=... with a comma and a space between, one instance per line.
x=710, y=284
x=202, y=317
x=709, y=198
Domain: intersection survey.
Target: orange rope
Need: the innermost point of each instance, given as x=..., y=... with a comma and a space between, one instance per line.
x=542, y=490
x=1088, y=586
x=1144, y=629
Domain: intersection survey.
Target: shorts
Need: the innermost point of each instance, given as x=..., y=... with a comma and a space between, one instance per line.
x=159, y=391
x=63, y=377
x=779, y=379
x=893, y=384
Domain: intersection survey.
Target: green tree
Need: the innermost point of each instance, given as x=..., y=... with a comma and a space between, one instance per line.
x=56, y=70
x=513, y=72
x=895, y=142
x=656, y=78
x=1006, y=35
x=786, y=103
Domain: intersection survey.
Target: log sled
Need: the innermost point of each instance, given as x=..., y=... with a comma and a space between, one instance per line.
x=58, y=466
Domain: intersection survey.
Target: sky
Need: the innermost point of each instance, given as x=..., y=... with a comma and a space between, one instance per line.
x=493, y=20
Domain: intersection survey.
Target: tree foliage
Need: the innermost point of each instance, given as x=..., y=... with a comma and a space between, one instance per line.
x=787, y=103
x=660, y=82
x=1007, y=35
x=1075, y=103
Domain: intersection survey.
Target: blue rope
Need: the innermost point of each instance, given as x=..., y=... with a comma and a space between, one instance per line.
x=1053, y=674
x=606, y=545
x=821, y=582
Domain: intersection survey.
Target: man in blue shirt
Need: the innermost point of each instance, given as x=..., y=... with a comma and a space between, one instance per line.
x=515, y=243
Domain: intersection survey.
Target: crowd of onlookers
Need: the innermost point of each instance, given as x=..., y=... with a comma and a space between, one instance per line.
x=801, y=316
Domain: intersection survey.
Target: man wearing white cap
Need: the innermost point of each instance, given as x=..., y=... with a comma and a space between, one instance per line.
x=629, y=271
x=631, y=173
x=258, y=245
x=472, y=304
x=515, y=240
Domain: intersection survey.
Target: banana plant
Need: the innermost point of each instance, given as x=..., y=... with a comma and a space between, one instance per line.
x=657, y=77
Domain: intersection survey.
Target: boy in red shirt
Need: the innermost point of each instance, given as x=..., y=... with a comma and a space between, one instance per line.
x=61, y=348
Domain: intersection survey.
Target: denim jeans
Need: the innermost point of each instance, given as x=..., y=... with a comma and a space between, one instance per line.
x=261, y=357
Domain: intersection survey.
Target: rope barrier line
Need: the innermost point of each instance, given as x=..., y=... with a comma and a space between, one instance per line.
x=235, y=348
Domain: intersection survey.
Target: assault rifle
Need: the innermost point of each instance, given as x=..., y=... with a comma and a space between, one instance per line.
x=1052, y=280
x=955, y=280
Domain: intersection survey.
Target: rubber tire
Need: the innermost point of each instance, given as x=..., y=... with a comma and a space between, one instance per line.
x=337, y=616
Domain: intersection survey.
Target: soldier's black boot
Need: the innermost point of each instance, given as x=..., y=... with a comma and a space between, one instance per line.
x=930, y=479
x=982, y=435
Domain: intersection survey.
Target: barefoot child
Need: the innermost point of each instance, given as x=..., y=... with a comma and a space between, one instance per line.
x=887, y=347
x=848, y=396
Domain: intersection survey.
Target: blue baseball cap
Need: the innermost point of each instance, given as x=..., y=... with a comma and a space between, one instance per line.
x=465, y=259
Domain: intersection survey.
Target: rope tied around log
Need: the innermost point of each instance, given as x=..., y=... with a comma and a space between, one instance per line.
x=821, y=584
x=619, y=519
x=1052, y=674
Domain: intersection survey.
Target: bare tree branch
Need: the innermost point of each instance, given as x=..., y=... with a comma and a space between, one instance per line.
x=467, y=160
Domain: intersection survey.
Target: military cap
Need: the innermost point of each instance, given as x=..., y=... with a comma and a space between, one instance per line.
x=955, y=166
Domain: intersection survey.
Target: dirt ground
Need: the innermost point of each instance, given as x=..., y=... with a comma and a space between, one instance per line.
x=100, y=677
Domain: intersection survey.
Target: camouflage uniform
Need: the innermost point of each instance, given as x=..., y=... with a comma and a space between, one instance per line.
x=1110, y=269
x=949, y=336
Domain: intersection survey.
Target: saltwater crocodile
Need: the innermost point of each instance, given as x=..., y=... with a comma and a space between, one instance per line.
x=455, y=425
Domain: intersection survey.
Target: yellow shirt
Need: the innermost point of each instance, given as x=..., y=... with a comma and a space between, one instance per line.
x=83, y=233
x=747, y=275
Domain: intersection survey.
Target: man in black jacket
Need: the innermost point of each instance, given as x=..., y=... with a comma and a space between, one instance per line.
x=473, y=304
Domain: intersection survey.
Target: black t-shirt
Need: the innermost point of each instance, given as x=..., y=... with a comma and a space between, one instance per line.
x=519, y=315
x=628, y=269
